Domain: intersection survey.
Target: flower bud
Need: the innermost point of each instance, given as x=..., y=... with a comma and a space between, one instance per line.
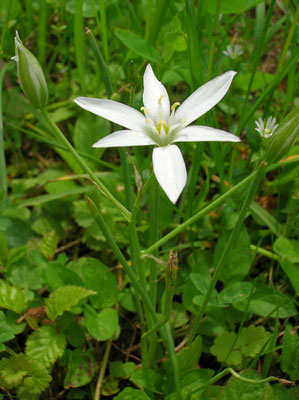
x=30, y=74
x=283, y=138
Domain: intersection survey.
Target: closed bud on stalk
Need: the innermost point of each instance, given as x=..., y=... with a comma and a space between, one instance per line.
x=283, y=138
x=30, y=74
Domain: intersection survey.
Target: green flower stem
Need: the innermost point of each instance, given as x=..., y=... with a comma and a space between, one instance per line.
x=83, y=164
x=265, y=252
x=213, y=39
x=153, y=237
x=165, y=331
x=3, y=181
x=199, y=214
x=260, y=171
x=104, y=363
x=236, y=375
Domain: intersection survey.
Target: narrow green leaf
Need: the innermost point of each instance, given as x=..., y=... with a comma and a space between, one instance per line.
x=137, y=44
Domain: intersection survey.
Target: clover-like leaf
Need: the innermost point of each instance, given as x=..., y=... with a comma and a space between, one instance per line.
x=232, y=350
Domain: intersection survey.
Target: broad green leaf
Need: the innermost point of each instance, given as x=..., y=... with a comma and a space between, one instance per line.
x=81, y=368
x=137, y=44
x=45, y=345
x=99, y=278
x=287, y=249
x=148, y=379
x=261, y=79
x=238, y=263
x=25, y=274
x=235, y=389
x=265, y=301
x=129, y=393
x=292, y=272
x=103, y=325
x=236, y=292
x=122, y=370
x=58, y=275
x=290, y=353
x=28, y=375
x=64, y=298
x=231, y=349
x=11, y=298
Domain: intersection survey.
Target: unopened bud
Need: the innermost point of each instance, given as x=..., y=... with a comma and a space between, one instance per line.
x=30, y=74
x=283, y=138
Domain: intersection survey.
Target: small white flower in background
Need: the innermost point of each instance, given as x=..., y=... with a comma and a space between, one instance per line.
x=266, y=130
x=162, y=125
x=233, y=51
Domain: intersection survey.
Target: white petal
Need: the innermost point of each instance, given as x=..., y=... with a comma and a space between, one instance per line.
x=170, y=170
x=113, y=111
x=197, y=133
x=155, y=97
x=204, y=98
x=123, y=139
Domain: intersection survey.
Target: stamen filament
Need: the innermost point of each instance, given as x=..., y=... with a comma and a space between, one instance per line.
x=174, y=105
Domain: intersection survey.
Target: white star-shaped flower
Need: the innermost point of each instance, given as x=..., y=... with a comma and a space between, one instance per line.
x=266, y=130
x=162, y=125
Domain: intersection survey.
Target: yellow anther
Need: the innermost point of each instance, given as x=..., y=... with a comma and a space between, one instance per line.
x=144, y=110
x=175, y=105
x=161, y=97
x=159, y=126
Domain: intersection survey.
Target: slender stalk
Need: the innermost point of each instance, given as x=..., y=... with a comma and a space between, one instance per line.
x=157, y=20
x=78, y=35
x=83, y=164
x=104, y=29
x=148, y=19
x=40, y=137
x=265, y=253
x=101, y=62
x=232, y=239
x=236, y=375
x=213, y=39
x=165, y=331
x=5, y=23
x=41, y=37
x=153, y=237
x=288, y=41
x=97, y=394
x=3, y=181
x=199, y=214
